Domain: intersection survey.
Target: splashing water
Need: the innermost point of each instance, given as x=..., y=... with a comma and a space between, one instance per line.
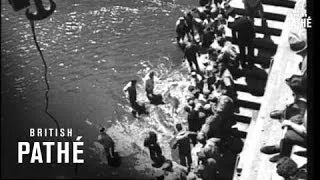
x=129, y=133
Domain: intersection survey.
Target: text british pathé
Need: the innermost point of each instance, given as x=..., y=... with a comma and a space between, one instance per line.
x=63, y=149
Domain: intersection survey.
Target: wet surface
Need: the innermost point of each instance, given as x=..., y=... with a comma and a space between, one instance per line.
x=93, y=49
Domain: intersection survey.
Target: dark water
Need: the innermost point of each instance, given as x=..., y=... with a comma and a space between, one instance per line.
x=93, y=48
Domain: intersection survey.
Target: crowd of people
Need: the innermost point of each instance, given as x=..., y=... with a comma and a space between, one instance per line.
x=294, y=117
x=212, y=98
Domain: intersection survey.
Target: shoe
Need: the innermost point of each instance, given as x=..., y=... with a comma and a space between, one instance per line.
x=276, y=158
x=270, y=149
x=277, y=114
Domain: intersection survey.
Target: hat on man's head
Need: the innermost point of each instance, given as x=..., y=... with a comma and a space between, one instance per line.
x=102, y=129
x=298, y=41
x=152, y=73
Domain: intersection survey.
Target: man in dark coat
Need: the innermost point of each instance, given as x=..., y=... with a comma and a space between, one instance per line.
x=191, y=54
x=183, y=144
x=181, y=29
x=153, y=98
x=193, y=122
x=154, y=149
x=107, y=142
x=243, y=30
x=132, y=93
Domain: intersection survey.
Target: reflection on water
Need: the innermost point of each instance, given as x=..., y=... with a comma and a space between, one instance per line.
x=93, y=48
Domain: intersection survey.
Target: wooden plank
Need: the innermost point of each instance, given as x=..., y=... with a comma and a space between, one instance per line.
x=283, y=3
x=264, y=30
x=268, y=15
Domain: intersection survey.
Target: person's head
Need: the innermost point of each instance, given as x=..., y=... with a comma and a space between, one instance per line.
x=133, y=82
x=179, y=127
x=187, y=109
x=153, y=136
x=201, y=137
x=286, y=167
x=151, y=75
x=191, y=102
x=188, y=15
x=198, y=106
x=102, y=130
x=214, y=11
x=207, y=107
x=181, y=20
x=193, y=74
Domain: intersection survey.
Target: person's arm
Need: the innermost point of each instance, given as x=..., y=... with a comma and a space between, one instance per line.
x=300, y=129
x=125, y=89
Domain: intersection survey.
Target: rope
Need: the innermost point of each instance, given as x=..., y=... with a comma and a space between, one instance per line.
x=48, y=87
x=45, y=76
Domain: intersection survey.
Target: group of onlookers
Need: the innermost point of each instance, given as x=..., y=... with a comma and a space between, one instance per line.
x=212, y=96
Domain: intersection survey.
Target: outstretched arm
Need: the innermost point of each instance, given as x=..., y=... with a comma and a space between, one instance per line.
x=125, y=89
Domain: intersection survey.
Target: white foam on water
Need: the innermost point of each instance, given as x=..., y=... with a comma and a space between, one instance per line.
x=129, y=132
